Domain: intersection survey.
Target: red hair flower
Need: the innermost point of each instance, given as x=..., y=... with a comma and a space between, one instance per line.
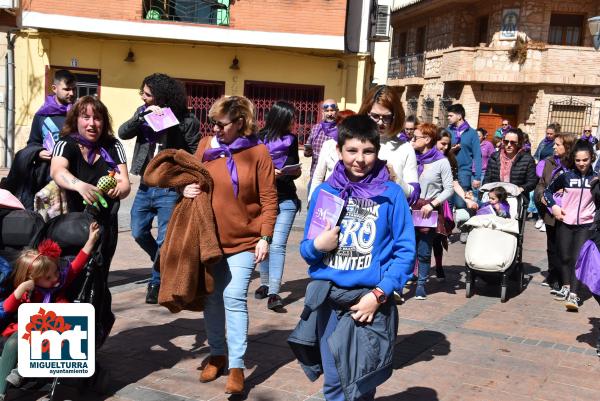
x=49, y=248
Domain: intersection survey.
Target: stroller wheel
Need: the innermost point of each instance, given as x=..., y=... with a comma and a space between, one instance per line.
x=469, y=289
x=503, y=294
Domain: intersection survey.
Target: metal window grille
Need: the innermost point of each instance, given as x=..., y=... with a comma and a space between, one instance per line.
x=305, y=98
x=201, y=95
x=407, y=66
x=411, y=106
x=212, y=12
x=571, y=114
x=427, y=115
x=382, y=23
x=445, y=102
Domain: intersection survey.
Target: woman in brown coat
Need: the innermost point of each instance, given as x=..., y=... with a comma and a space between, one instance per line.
x=244, y=202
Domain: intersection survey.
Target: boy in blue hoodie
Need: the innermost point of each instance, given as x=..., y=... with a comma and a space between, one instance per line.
x=374, y=245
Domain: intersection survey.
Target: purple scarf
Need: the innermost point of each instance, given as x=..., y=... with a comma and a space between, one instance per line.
x=403, y=137
x=151, y=136
x=92, y=148
x=47, y=293
x=278, y=149
x=415, y=194
x=590, y=138
x=52, y=107
x=505, y=130
x=485, y=208
x=458, y=131
x=373, y=184
x=559, y=167
x=432, y=155
x=329, y=129
x=239, y=144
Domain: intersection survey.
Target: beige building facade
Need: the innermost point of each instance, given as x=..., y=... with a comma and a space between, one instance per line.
x=531, y=62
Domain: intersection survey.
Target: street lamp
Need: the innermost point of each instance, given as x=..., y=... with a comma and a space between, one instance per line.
x=594, y=24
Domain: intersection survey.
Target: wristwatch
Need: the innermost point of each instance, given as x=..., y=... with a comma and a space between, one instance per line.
x=267, y=238
x=380, y=295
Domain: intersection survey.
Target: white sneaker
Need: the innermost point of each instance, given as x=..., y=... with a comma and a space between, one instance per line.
x=543, y=228
x=572, y=303
x=539, y=224
x=562, y=294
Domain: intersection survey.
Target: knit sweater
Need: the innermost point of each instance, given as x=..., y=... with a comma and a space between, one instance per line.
x=243, y=220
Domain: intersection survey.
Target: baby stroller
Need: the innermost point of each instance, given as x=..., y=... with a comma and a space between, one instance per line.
x=495, y=245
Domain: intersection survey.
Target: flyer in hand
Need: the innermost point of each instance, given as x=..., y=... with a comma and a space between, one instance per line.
x=159, y=122
x=420, y=221
x=328, y=209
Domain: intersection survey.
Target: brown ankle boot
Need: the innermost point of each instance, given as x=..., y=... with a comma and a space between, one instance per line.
x=235, y=381
x=213, y=368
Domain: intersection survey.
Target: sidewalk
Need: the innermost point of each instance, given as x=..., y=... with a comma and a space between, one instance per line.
x=449, y=347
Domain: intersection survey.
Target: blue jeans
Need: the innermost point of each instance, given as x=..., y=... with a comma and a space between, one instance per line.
x=464, y=181
x=327, y=321
x=424, y=246
x=271, y=269
x=152, y=202
x=227, y=307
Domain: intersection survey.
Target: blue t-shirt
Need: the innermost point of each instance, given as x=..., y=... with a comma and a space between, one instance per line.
x=376, y=243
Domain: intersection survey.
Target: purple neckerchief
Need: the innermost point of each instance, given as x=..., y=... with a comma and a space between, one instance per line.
x=278, y=149
x=559, y=167
x=329, y=129
x=527, y=147
x=590, y=138
x=224, y=150
x=92, y=148
x=151, y=136
x=432, y=155
x=546, y=141
x=415, y=194
x=62, y=278
x=403, y=137
x=505, y=130
x=484, y=209
x=373, y=184
x=52, y=107
x=458, y=131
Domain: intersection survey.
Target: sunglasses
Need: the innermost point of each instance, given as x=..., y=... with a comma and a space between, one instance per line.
x=385, y=118
x=330, y=107
x=509, y=142
x=409, y=129
x=587, y=131
x=219, y=124
x=505, y=125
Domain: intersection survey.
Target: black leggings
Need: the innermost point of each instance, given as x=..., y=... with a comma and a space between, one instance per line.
x=554, y=270
x=569, y=240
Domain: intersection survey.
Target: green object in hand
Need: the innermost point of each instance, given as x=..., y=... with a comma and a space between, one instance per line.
x=102, y=201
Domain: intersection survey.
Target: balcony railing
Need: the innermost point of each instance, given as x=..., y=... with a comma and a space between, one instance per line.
x=211, y=12
x=407, y=66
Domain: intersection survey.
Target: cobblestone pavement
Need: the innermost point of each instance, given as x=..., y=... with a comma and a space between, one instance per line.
x=449, y=347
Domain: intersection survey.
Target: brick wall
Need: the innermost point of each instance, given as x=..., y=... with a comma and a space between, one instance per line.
x=294, y=16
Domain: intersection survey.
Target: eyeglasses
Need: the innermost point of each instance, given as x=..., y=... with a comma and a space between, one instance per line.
x=505, y=125
x=330, y=107
x=385, y=118
x=409, y=129
x=509, y=142
x=219, y=124
x=587, y=131
x=414, y=138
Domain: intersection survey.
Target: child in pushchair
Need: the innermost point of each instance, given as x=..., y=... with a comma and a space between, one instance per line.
x=39, y=275
x=497, y=203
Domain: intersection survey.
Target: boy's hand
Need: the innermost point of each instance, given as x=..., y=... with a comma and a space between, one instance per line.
x=328, y=239
x=365, y=309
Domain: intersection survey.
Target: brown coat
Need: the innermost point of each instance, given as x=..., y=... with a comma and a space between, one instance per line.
x=191, y=246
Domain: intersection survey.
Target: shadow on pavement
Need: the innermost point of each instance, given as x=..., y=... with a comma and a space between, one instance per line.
x=421, y=346
x=412, y=394
x=592, y=337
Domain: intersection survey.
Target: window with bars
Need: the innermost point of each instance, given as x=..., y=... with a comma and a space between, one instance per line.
x=427, y=112
x=305, y=98
x=566, y=30
x=88, y=80
x=212, y=12
x=412, y=105
x=201, y=95
x=571, y=114
x=445, y=102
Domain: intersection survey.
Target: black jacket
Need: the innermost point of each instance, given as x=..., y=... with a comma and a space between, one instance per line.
x=522, y=172
x=183, y=136
x=363, y=353
x=28, y=174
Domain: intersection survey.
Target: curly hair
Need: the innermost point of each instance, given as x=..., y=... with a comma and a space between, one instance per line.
x=235, y=107
x=388, y=98
x=167, y=92
x=80, y=107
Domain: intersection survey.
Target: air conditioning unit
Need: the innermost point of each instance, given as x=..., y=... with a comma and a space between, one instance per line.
x=381, y=28
x=11, y=4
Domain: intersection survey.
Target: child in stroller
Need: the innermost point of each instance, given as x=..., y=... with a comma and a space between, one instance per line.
x=38, y=276
x=497, y=203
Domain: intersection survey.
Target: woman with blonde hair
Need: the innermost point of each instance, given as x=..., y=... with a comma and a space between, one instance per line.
x=244, y=202
x=383, y=105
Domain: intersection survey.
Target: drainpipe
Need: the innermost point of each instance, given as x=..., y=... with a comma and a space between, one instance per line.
x=9, y=137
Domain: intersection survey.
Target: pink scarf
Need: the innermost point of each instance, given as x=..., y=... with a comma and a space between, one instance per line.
x=506, y=165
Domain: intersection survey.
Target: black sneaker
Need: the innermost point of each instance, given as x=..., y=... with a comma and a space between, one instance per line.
x=274, y=302
x=261, y=292
x=439, y=274
x=152, y=293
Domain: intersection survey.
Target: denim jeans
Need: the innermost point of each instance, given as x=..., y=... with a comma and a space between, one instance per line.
x=271, y=269
x=424, y=246
x=464, y=180
x=227, y=307
x=327, y=321
x=152, y=202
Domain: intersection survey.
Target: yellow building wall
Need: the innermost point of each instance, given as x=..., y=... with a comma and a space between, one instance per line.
x=342, y=76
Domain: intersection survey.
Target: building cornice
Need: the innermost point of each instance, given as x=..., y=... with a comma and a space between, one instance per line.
x=184, y=32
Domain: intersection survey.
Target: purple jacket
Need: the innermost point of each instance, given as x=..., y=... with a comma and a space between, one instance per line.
x=487, y=149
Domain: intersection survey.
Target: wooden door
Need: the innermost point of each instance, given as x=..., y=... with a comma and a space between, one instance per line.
x=491, y=116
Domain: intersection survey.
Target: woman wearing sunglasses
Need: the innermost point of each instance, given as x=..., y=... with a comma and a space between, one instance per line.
x=244, y=202
x=383, y=105
x=512, y=164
